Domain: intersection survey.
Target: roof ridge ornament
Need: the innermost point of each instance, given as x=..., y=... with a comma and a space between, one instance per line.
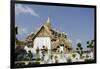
x=48, y=20
x=48, y=23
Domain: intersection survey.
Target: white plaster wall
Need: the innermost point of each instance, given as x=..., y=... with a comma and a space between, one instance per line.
x=40, y=41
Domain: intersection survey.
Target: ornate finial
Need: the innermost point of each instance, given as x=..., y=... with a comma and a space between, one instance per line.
x=48, y=20
x=48, y=23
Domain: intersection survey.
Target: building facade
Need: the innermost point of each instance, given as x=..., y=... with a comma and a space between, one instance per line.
x=49, y=38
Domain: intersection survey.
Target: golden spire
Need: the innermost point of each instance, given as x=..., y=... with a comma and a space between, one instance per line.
x=48, y=23
x=48, y=20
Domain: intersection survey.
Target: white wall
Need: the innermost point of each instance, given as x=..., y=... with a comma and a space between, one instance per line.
x=40, y=41
x=5, y=34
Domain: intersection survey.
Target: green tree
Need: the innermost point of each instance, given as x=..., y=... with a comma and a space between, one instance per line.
x=20, y=53
x=90, y=45
x=30, y=55
x=79, y=49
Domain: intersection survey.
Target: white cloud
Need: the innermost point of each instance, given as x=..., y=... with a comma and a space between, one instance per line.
x=25, y=10
x=78, y=41
x=22, y=30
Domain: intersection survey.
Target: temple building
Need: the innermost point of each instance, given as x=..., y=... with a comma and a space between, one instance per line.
x=50, y=38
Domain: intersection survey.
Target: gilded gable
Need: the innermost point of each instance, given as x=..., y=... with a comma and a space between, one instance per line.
x=43, y=33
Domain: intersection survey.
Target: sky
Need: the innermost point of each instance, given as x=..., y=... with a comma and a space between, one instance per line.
x=76, y=22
